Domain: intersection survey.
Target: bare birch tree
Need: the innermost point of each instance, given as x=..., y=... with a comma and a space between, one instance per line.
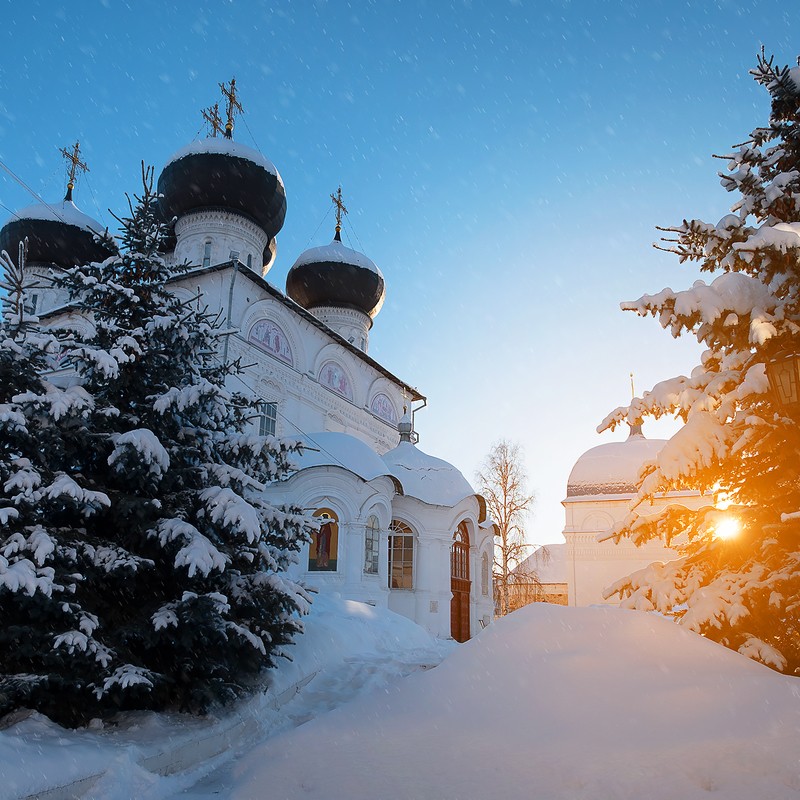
x=502, y=481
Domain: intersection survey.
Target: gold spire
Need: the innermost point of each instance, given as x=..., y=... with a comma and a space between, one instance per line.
x=229, y=92
x=75, y=164
x=212, y=117
x=340, y=209
x=633, y=390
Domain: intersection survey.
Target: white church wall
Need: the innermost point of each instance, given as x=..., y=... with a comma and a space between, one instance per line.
x=353, y=501
x=593, y=566
x=308, y=403
x=42, y=293
x=214, y=236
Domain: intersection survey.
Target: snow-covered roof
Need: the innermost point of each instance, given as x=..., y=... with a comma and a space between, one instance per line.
x=429, y=479
x=61, y=211
x=228, y=147
x=612, y=468
x=337, y=253
x=549, y=562
x=331, y=449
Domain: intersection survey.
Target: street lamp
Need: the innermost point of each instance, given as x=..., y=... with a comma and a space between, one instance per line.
x=783, y=373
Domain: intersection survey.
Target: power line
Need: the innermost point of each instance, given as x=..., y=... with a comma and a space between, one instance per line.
x=29, y=190
x=94, y=200
x=244, y=119
x=293, y=424
x=324, y=217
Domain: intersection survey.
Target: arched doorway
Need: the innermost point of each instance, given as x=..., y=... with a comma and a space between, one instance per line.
x=460, y=584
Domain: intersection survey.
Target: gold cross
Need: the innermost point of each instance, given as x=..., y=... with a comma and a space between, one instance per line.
x=340, y=209
x=212, y=117
x=233, y=105
x=75, y=164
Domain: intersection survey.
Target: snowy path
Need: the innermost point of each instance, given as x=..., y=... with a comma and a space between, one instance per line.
x=330, y=689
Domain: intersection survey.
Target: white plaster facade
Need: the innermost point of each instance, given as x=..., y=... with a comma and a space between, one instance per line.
x=319, y=385
x=600, y=489
x=352, y=419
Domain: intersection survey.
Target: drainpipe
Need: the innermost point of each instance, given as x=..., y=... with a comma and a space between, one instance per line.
x=235, y=263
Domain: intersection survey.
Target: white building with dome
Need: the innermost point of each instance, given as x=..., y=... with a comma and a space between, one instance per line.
x=400, y=529
x=600, y=489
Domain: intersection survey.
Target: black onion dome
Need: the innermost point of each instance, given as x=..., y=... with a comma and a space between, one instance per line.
x=335, y=275
x=222, y=173
x=57, y=234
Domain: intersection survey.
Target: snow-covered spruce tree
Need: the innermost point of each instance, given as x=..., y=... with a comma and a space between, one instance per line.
x=183, y=568
x=48, y=652
x=737, y=442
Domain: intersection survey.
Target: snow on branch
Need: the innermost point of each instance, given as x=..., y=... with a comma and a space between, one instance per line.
x=213, y=398
x=758, y=650
x=246, y=634
x=224, y=506
x=125, y=677
x=65, y=487
x=145, y=444
x=79, y=641
x=58, y=403
x=705, y=304
x=198, y=553
x=23, y=575
x=165, y=617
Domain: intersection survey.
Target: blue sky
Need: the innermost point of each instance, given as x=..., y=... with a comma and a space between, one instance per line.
x=504, y=163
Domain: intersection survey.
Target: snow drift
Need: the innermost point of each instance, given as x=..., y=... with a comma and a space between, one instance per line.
x=553, y=702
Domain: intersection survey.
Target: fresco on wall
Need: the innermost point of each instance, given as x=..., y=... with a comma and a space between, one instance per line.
x=323, y=551
x=383, y=407
x=333, y=376
x=270, y=337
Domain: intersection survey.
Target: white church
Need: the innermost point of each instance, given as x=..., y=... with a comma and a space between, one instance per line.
x=599, y=491
x=400, y=528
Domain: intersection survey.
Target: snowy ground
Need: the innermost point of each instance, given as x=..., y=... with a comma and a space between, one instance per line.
x=551, y=702
x=348, y=649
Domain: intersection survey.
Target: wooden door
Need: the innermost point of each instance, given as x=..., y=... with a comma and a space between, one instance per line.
x=460, y=585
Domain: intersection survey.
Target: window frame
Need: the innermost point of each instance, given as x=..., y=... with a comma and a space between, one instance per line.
x=265, y=417
x=401, y=531
x=372, y=538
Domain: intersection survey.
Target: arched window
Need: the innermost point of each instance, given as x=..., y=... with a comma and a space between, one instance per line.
x=207, y=253
x=322, y=553
x=485, y=574
x=371, y=540
x=401, y=556
x=459, y=553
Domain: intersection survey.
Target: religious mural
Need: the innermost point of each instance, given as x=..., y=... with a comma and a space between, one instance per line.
x=324, y=548
x=269, y=337
x=333, y=376
x=383, y=407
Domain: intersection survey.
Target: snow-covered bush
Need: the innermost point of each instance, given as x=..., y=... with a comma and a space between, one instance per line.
x=133, y=501
x=737, y=442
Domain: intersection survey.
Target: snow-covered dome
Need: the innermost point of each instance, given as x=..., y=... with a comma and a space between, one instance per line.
x=58, y=233
x=222, y=173
x=612, y=468
x=336, y=275
x=426, y=478
x=331, y=449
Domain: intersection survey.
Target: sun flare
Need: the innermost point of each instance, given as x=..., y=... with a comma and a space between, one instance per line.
x=727, y=528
